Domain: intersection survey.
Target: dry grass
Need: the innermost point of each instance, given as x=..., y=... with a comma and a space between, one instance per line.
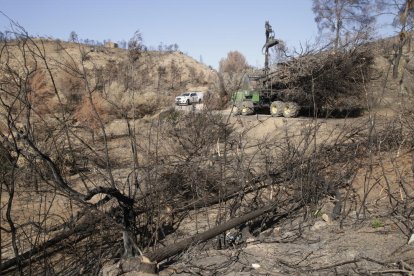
x=92, y=110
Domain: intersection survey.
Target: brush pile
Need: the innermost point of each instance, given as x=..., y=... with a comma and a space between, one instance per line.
x=325, y=80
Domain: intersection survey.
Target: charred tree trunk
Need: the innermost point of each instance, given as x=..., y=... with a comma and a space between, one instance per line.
x=167, y=252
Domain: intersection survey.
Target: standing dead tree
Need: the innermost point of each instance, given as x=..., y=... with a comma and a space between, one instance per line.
x=402, y=13
x=349, y=21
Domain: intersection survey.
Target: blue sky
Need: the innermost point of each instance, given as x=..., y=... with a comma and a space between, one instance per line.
x=206, y=29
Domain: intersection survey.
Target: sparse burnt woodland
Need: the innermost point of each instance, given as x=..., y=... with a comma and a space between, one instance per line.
x=88, y=181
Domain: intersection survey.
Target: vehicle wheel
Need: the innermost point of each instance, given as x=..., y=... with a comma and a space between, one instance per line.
x=291, y=110
x=276, y=108
x=188, y=102
x=246, y=111
x=199, y=101
x=246, y=108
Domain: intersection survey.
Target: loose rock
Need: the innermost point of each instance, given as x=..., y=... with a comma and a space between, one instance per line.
x=318, y=225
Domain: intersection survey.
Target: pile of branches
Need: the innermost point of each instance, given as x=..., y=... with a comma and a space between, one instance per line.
x=325, y=80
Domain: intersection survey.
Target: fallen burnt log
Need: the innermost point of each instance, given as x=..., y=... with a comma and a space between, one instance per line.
x=172, y=250
x=148, y=263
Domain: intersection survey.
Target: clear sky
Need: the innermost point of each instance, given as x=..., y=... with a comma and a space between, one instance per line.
x=206, y=29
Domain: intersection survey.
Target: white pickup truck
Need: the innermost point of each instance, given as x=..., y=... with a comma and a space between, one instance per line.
x=189, y=98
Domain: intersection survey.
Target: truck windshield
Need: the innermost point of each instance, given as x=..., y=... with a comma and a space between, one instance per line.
x=186, y=94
